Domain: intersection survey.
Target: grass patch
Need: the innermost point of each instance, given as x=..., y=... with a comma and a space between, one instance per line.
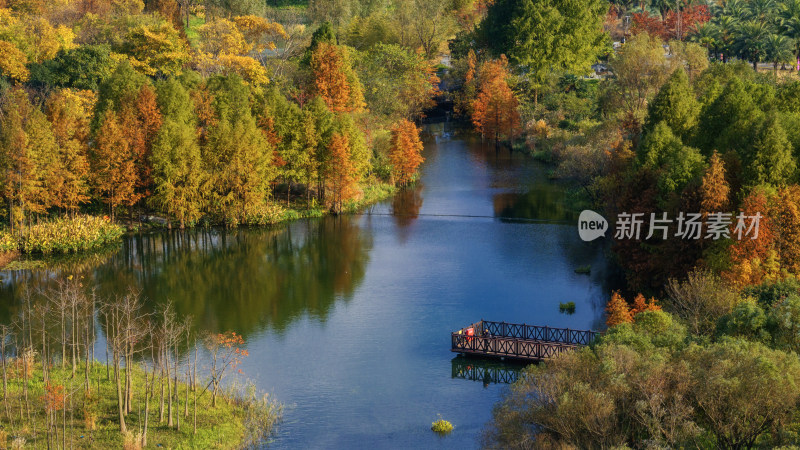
x=567, y=308
x=92, y=420
x=373, y=193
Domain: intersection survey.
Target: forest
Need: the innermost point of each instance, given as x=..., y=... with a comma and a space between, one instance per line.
x=204, y=113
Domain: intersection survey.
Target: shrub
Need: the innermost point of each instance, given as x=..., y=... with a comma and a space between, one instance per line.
x=442, y=426
x=67, y=235
x=7, y=242
x=568, y=307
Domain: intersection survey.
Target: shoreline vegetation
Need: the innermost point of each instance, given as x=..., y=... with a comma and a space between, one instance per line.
x=83, y=233
x=155, y=387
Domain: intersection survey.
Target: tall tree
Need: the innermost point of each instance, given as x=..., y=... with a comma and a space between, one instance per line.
x=334, y=78
x=675, y=104
x=177, y=170
x=545, y=35
x=406, y=150
x=69, y=113
x=113, y=165
x=341, y=173
x=714, y=191
x=494, y=111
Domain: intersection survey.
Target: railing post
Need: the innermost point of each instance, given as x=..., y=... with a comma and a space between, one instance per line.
x=546, y=332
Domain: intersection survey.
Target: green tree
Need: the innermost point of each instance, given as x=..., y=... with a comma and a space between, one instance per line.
x=675, y=105
x=771, y=161
x=727, y=122
x=676, y=163
x=237, y=156
x=741, y=389
x=176, y=159
x=85, y=67
x=546, y=35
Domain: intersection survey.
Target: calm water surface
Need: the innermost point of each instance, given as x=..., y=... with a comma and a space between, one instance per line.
x=348, y=319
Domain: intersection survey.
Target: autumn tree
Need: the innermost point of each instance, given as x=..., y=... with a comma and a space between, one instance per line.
x=495, y=108
x=341, y=171
x=69, y=113
x=640, y=305
x=28, y=157
x=13, y=62
x=156, y=49
x=715, y=191
x=226, y=352
x=113, y=165
x=618, y=311
x=405, y=153
x=334, y=79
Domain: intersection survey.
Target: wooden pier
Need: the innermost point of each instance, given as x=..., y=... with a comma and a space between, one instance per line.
x=518, y=341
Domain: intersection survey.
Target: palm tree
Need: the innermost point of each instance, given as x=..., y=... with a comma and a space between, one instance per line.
x=779, y=49
x=763, y=11
x=707, y=35
x=727, y=27
x=789, y=23
x=750, y=42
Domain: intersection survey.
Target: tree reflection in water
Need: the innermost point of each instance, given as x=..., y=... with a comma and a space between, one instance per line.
x=243, y=279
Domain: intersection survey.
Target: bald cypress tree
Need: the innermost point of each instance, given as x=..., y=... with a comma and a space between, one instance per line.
x=177, y=169
x=674, y=104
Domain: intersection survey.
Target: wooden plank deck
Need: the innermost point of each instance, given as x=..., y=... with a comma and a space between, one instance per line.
x=518, y=341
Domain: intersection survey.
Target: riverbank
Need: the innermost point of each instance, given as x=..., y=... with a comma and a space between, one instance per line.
x=90, y=418
x=65, y=236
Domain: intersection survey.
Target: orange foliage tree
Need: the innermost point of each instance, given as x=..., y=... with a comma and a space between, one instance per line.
x=115, y=177
x=642, y=305
x=334, y=79
x=225, y=352
x=618, y=311
x=714, y=191
x=405, y=153
x=494, y=111
x=341, y=171
x=754, y=260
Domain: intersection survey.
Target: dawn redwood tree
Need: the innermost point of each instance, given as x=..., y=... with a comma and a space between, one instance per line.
x=494, y=111
x=714, y=191
x=176, y=158
x=69, y=113
x=618, y=311
x=341, y=174
x=335, y=80
x=113, y=165
x=405, y=153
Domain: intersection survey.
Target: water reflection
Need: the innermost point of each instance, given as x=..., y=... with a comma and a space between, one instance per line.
x=484, y=370
x=405, y=207
x=243, y=280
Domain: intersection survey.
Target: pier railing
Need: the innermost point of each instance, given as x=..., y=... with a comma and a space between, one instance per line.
x=518, y=341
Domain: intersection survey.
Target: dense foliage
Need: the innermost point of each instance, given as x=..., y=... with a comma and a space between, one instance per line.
x=204, y=111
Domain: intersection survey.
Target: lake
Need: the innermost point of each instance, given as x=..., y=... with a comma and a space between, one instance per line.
x=348, y=319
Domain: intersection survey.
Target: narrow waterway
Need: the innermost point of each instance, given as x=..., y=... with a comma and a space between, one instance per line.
x=348, y=319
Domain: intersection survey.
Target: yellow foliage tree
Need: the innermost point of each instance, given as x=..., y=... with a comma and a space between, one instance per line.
x=13, y=62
